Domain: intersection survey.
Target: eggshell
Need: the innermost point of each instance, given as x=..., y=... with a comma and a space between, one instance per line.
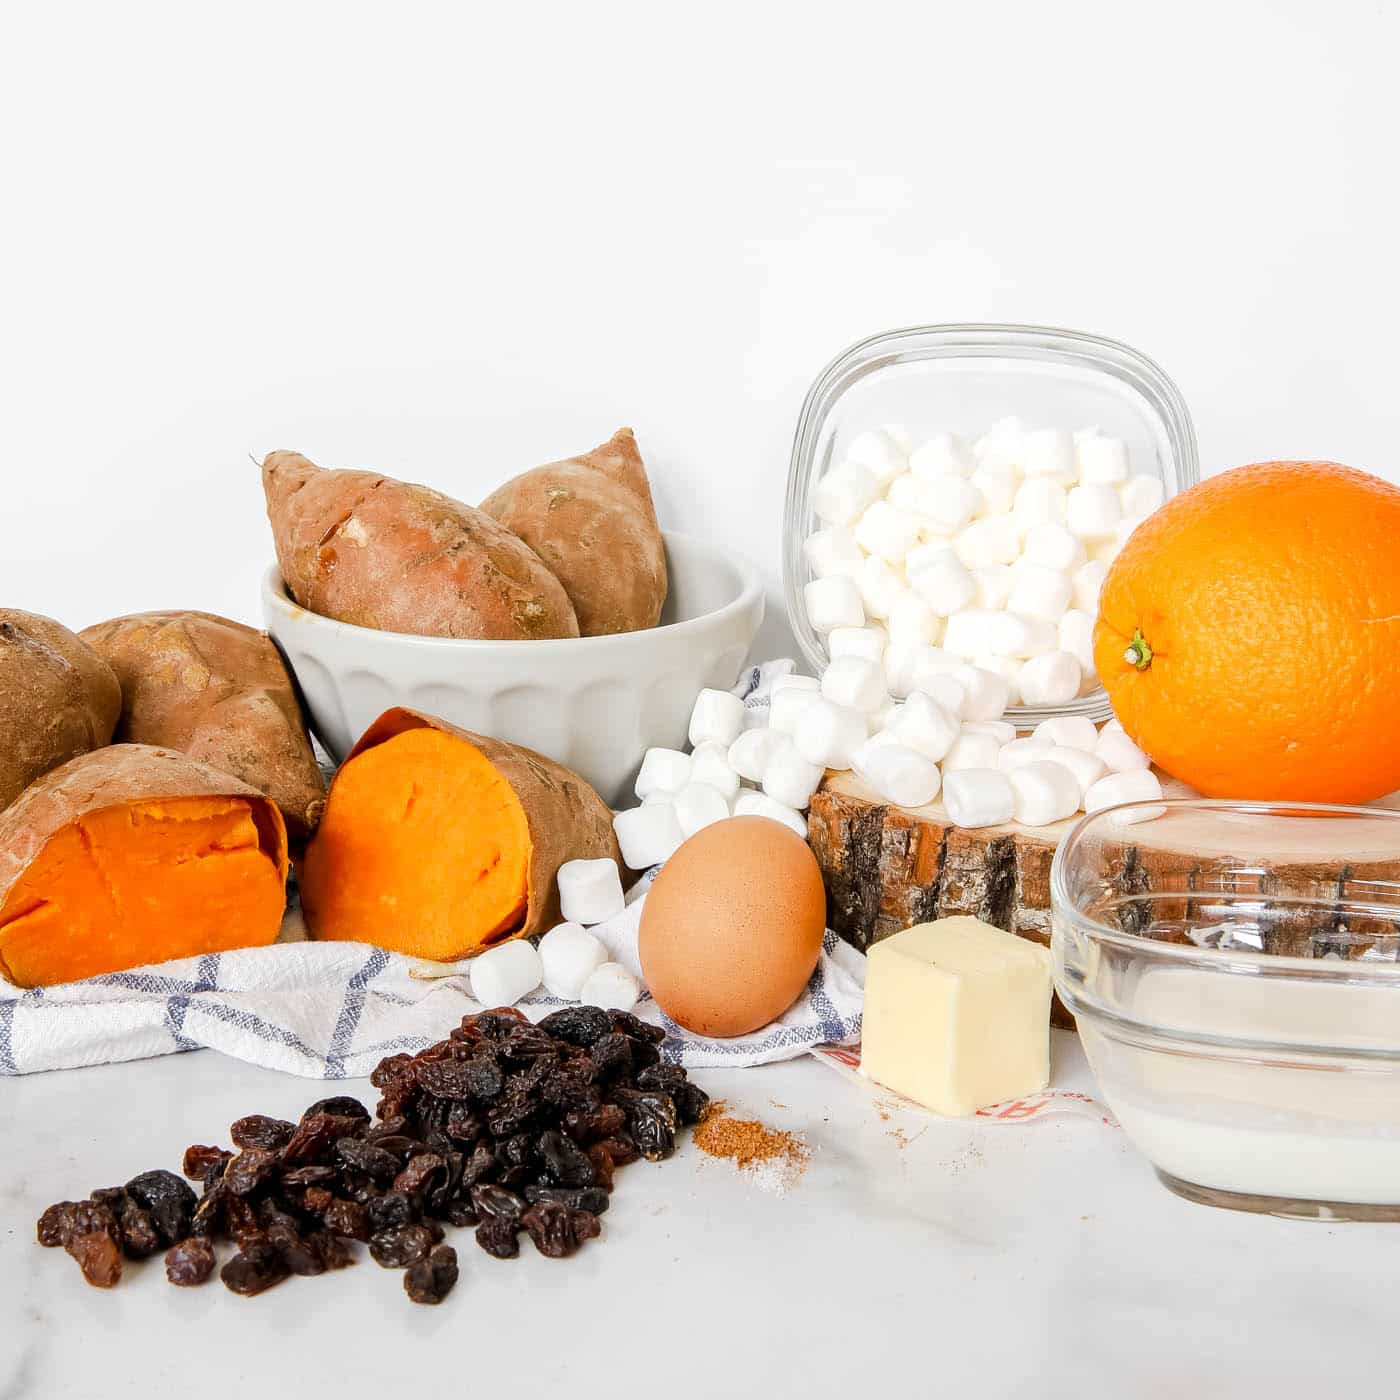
x=732, y=928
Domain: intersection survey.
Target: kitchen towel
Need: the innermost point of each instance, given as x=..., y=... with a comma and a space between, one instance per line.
x=334, y=1010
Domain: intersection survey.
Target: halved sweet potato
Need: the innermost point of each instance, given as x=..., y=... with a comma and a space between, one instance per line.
x=438, y=842
x=220, y=692
x=364, y=548
x=132, y=855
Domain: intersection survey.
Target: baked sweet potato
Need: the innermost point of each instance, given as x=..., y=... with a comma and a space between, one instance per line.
x=131, y=855
x=437, y=842
x=367, y=549
x=58, y=699
x=591, y=519
x=220, y=692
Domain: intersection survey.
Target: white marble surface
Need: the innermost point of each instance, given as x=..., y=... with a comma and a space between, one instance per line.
x=970, y=1260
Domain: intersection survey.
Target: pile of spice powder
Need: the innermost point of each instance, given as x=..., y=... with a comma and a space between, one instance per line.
x=774, y=1159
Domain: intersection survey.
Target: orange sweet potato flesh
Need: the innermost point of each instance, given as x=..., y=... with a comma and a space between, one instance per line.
x=437, y=842
x=133, y=855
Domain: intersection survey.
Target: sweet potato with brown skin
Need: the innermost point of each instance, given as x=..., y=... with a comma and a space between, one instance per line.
x=132, y=855
x=438, y=842
x=58, y=699
x=220, y=692
x=366, y=549
x=591, y=519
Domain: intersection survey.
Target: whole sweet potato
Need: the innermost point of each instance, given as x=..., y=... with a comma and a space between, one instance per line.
x=591, y=519
x=366, y=549
x=220, y=692
x=58, y=699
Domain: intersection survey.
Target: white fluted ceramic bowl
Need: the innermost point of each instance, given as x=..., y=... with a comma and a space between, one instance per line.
x=595, y=704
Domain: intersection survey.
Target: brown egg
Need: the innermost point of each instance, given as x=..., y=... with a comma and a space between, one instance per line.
x=732, y=928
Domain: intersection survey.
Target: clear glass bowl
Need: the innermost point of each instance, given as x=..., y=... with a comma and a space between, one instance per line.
x=1235, y=972
x=963, y=379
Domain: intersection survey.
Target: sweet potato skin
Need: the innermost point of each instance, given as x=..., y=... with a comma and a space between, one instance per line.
x=592, y=520
x=221, y=693
x=58, y=699
x=366, y=549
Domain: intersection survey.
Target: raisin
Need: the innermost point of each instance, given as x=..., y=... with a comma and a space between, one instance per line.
x=310, y=1176
x=257, y=1267
x=651, y=1121
x=517, y=1151
x=460, y=1213
x=579, y=1025
x=496, y=1203
x=170, y=1201
x=478, y=1079
x=389, y=1127
x=638, y=1029
x=209, y=1215
x=447, y=1184
x=87, y=1218
x=113, y=1197
x=335, y=1251
x=190, y=1263
x=497, y=1236
x=299, y=1255
x=251, y=1169
x=390, y=1209
x=341, y=1106
x=52, y=1224
x=497, y=1024
x=399, y=1146
x=258, y=1130
x=316, y=1133
x=621, y=1149
x=140, y=1236
x=603, y=1166
x=613, y=1056
x=241, y=1222
x=417, y=1176
x=98, y=1256
x=430, y=1280
x=590, y=1125
x=316, y=1199
x=376, y=1162
x=464, y=1124
x=400, y=1246
x=481, y=1165
x=347, y=1218
x=511, y=1115
x=593, y=1199
x=198, y=1160
x=558, y=1230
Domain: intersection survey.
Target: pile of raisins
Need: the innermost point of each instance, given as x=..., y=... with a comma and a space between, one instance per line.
x=509, y=1127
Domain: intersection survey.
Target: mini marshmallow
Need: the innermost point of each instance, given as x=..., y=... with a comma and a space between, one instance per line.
x=659, y=795
x=718, y=717
x=1138, y=785
x=1039, y=592
x=866, y=642
x=1039, y=499
x=501, y=976
x=832, y=551
x=1053, y=546
x=1002, y=633
x=1001, y=730
x=950, y=502
x=1093, y=512
x=886, y=715
x=944, y=454
x=759, y=804
x=699, y=805
x=912, y=622
x=987, y=693
x=1103, y=461
x=1125, y=528
x=1113, y=726
x=666, y=769
x=925, y=726
x=995, y=539
x=1119, y=753
x=1045, y=793
x=900, y=437
x=792, y=681
x=611, y=987
x=1007, y=667
x=899, y=668
x=879, y=587
x=1088, y=580
x=1052, y=678
x=993, y=585
x=712, y=767
x=749, y=753
x=886, y=532
x=879, y=453
x=997, y=486
x=941, y=579
x=1141, y=494
x=900, y=775
x=1087, y=768
x=1102, y=551
x=1049, y=452
x=843, y=494
x=1076, y=636
x=1020, y=752
x=828, y=734
x=648, y=835
x=569, y=953
x=946, y=691
x=833, y=602
x=791, y=779
x=1003, y=444
x=978, y=797
x=850, y=680
x=910, y=494
x=1069, y=731
x=590, y=891
x=972, y=751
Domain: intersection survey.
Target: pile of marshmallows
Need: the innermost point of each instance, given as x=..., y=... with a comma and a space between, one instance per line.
x=993, y=553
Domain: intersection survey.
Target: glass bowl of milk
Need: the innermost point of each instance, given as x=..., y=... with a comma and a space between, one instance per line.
x=1234, y=968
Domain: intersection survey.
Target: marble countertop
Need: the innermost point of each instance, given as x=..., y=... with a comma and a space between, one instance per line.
x=936, y=1256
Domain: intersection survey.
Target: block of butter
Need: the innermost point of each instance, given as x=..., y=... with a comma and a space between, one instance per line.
x=957, y=1015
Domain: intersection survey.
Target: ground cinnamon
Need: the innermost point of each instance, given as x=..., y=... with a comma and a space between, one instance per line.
x=776, y=1157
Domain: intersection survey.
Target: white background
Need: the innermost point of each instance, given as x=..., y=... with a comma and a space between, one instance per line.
x=453, y=242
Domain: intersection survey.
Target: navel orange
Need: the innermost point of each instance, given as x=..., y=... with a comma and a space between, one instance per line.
x=1249, y=634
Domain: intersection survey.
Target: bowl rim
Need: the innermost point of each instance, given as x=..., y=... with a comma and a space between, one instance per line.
x=275, y=596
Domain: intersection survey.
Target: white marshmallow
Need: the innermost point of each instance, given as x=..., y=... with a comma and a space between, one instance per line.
x=659, y=795
x=951, y=502
x=1088, y=580
x=501, y=976
x=944, y=454
x=1039, y=499
x=786, y=707
x=978, y=797
x=977, y=630
x=997, y=485
x=1141, y=494
x=879, y=453
x=611, y=987
x=1080, y=434
x=1113, y=726
x=832, y=551
x=900, y=775
x=1039, y=592
x=941, y=579
x=1087, y=768
x=1045, y=793
x=1069, y=731
x=910, y=494
x=1102, y=551
x=1137, y=785
x=828, y=734
x=886, y=715
x=1053, y=546
x=568, y=955
x=1020, y=752
x=946, y=691
x=1076, y=636
x=912, y=622
x=1125, y=528
x=993, y=585
x=648, y=835
x=851, y=680
x=995, y=539
x=987, y=693
x=899, y=668
x=1000, y=730
x=699, y=805
x=833, y=602
x=866, y=642
x=791, y=779
x=1103, y=461
x=750, y=752
x=925, y=726
x=900, y=437
x=972, y=751
x=662, y=769
x=718, y=717
x=713, y=768
x=792, y=681
x=879, y=587
x=759, y=804
x=1007, y=667
x=886, y=532
x=1002, y=444
x=843, y=494
x=1093, y=512
x=590, y=891
x=1119, y=753
x=1052, y=678
x=1049, y=452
